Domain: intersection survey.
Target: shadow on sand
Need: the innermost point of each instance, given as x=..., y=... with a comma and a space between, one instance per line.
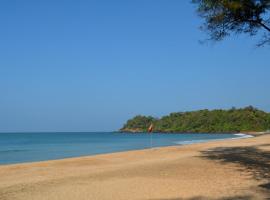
x=246, y=197
x=254, y=160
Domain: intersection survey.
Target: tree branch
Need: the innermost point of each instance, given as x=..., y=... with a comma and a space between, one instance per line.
x=260, y=23
x=264, y=26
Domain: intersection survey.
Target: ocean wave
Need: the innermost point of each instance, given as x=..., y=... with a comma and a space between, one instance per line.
x=12, y=150
x=242, y=135
x=190, y=142
x=239, y=136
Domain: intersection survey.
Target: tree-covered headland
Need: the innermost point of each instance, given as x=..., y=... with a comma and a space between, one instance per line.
x=247, y=119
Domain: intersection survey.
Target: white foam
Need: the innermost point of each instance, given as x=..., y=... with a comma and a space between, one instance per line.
x=242, y=135
x=190, y=142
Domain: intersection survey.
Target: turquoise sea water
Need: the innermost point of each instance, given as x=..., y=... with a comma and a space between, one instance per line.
x=30, y=147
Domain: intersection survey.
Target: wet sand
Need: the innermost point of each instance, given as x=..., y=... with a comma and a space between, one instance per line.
x=220, y=170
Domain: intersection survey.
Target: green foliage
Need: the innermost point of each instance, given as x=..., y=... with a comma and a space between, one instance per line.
x=223, y=17
x=138, y=124
x=232, y=120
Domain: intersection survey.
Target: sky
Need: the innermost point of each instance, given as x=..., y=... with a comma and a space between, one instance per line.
x=91, y=65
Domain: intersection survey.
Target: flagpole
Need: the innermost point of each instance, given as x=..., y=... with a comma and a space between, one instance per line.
x=150, y=130
x=151, y=139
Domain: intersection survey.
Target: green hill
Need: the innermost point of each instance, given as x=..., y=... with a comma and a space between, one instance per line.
x=233, y=120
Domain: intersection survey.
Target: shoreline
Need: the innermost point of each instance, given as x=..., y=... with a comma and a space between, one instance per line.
x=213, y=170
x=129, y=151
x=177, y=144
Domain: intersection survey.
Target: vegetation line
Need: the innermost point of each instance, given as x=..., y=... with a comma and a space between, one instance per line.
x=234, y=120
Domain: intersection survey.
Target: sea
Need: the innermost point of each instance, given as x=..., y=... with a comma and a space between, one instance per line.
x=32, y=147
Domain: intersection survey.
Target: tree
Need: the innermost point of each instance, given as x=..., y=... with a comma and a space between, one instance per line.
x=138, y=123
x=224, y=17
x=232, y=120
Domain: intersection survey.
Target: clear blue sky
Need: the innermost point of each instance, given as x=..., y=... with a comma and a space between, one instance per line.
x=91, y=65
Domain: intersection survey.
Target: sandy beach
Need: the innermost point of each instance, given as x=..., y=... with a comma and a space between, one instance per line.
x=230, y=169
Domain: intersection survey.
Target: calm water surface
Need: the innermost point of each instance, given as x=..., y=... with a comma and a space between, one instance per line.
x=30, y=147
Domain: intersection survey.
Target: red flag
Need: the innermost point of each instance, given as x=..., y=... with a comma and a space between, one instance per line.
x=150, y=129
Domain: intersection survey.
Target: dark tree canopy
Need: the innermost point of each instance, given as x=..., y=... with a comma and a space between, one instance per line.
x=232, y=120
x=224, y=17
x=138, y=124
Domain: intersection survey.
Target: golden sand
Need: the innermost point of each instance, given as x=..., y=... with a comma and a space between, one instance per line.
x=222, y=170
